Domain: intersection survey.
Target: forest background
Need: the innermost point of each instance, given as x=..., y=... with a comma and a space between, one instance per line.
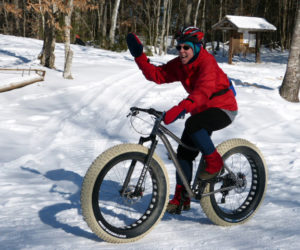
x=105, y=23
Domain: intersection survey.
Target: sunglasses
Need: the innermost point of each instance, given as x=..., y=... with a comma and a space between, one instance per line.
x=185, y=47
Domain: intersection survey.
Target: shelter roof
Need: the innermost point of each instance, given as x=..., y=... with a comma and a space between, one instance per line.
x=244, y=23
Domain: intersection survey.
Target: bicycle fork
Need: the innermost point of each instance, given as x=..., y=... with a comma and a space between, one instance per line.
x=138, y=188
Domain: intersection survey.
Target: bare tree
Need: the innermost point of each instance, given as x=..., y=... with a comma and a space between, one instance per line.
x=289, y=89
x=284, y=23
x=196, y=13
x=100, y=11
x=47, y=56
x=42, y=16
x=163, y=30
x=17, y=17
x=11, y=16
x=103, y=30
x=157, y=17
x=5, y=24
x=148, y=6
x=142, y=16
x=114, y=22
x=187, y=19
x=169, y=11
x=68, y=52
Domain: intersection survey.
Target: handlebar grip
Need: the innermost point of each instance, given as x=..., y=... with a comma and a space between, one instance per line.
x=150, y=111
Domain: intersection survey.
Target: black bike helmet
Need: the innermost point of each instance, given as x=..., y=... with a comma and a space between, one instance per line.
x=189, y=34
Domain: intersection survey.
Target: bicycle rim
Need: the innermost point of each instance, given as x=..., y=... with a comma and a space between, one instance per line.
x=239, y=204
x=133, y=214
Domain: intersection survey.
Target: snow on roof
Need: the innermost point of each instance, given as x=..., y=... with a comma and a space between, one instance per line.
x=246, y=23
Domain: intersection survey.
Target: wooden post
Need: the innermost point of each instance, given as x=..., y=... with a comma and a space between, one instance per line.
x=230, y=55
x=257, y=48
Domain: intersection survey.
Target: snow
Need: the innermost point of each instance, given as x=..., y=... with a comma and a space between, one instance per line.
x=250, y=23
x=51, y=132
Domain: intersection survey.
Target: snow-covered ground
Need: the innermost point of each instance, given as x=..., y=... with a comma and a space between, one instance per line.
x=51, y=131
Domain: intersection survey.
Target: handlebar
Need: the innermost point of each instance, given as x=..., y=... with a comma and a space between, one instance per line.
x=151, y=111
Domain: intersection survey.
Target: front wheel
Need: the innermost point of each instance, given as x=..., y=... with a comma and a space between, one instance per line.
x=121, y=215
x=249, y=178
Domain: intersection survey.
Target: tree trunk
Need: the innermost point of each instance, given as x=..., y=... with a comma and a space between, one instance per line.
x=187, y=19
x=163, y=29
x=42, y=18
x=148, y=6
x=24, y=18
x=156, y=33
x=68, y=52
x=220, y=18
x=104, y=40
x=48, y=57
x=230, y=54
x=283, y=28
x=5, y=26
x=169, y=12
x=289, y=89
x=114, y=23
x=99, y=19
x=196, y=14
x=257, y=48
x=241, y=7
x=17, y=23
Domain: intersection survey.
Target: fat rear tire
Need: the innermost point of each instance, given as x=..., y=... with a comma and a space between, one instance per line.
x=245, y=159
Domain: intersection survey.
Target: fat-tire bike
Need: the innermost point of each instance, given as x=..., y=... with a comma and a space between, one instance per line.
x=126, y=189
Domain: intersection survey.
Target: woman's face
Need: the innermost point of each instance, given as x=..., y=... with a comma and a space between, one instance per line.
x=186, y=53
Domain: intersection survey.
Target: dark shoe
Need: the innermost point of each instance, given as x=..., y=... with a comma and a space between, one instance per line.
x=203, y=175
x=176, y=209
x=214, y=165
x=179, y=201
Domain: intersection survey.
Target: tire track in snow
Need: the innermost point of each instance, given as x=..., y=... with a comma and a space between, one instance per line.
x=94, y=110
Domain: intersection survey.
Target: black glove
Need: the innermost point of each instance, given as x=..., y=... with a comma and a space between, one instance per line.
x=134, y=45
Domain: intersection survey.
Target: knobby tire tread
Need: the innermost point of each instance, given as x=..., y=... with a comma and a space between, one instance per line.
x=89, y=181
x=206, y=203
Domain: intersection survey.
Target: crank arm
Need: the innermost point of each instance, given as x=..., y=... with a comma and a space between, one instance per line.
x=228, y=169
x=217, y=191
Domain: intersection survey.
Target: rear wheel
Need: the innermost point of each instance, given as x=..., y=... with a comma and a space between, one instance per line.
x=119, y=216
x=248, y=177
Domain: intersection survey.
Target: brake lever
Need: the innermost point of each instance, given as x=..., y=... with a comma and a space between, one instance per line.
x=155, y=112
x=133, y=113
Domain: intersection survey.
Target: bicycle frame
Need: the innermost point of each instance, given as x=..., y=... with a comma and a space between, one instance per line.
x=161, y=131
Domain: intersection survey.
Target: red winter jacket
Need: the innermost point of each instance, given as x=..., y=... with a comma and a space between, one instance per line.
x=201, y=79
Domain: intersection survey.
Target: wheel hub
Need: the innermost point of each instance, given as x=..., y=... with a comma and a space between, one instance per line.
x=131, y=196
x=241, y=182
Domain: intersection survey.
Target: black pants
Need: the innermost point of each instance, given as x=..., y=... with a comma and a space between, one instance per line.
x=212, y=119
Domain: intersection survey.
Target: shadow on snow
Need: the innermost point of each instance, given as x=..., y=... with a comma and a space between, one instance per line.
x=48, y=213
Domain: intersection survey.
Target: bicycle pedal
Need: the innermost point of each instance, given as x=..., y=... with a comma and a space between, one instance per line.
x=212, y=180
x=174, y=211
x=178, y=211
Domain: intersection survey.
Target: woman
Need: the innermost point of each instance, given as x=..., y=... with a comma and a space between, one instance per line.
x=210, y=102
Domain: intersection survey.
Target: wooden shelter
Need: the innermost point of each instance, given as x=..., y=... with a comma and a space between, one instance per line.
x=244, y=34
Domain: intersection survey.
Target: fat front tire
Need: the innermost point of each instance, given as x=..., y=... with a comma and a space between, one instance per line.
x=120, y=217
x=239, y=204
